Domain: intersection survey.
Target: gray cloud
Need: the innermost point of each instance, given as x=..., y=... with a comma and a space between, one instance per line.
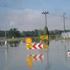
x=29, y=20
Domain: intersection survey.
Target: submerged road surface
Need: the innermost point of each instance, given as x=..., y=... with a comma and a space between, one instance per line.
x=19, y=58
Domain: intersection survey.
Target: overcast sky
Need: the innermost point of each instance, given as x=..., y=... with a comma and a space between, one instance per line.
x=27, y=14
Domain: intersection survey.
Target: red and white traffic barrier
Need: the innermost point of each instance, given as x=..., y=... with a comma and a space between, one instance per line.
x=38, y=57
x=36, y=46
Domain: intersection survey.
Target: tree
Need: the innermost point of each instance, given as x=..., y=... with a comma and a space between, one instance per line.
x=14, y=33
x=36, y=32
x=46, y=30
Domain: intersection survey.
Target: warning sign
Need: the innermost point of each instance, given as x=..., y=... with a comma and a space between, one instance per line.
x=45, y=46
x=28, y=46
x=28, y=40
x=44, y=37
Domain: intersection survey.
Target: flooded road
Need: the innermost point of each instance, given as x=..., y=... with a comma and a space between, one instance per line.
x=19, y=58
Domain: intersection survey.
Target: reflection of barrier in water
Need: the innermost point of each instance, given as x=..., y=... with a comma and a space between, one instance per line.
x=38, y=57
x=13, y=43
x=29, y=61
x=34, y=57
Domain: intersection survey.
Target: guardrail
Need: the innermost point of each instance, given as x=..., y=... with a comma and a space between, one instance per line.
x=14, y=39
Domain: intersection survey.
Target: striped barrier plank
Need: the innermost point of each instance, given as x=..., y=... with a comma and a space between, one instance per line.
x=34, y=46
x=37, y=46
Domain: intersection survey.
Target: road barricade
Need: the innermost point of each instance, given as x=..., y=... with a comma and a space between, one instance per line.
x=44, y=37
x=28, y=41
x=35, y=45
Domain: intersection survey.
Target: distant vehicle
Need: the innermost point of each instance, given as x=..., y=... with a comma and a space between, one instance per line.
x=65, y=35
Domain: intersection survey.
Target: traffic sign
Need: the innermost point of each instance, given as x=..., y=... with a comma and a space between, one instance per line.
x=43, y=37
x=28, y=45
x=28, y=40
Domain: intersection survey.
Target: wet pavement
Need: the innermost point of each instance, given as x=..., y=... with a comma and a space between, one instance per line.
x=19, y=58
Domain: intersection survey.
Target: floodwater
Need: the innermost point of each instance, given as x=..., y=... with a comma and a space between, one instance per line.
x=19, y=58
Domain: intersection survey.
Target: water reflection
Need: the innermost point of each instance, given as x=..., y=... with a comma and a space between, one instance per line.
x=10, y=43
x=67, y=50
x=23, y=59
x=15, y=58
x=29, y=61
x=2, y=43
x=34, y=58
x=13, y=43
x=42, y=57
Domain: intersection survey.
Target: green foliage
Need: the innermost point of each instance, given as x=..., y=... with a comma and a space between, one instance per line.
x=2, y=33
x=15, y=33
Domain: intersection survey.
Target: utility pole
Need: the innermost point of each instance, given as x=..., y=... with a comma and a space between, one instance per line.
x=45, y=13
x=65, y=49
x=46, y=28
x=64, y=21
